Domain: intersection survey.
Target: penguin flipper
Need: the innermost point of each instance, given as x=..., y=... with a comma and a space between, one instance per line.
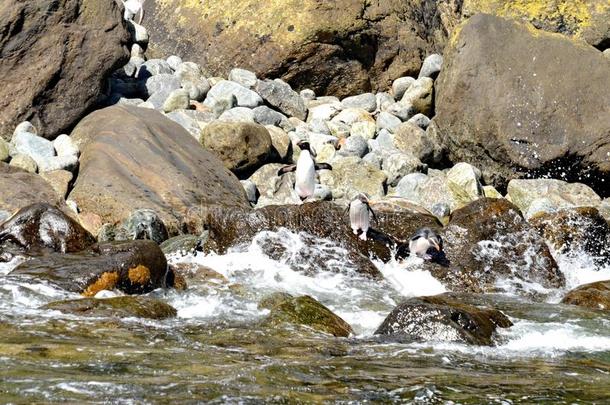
x=373, y=214
x=381, y=237
x=286, y=169
x=323, y=166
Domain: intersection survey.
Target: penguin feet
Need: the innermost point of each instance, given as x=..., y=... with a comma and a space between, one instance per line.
x=362, y=236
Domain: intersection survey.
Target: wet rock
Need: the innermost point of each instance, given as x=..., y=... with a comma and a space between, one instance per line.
x=321, y=220
x=280, y=95
x=20, y=188
x=575, y=230
x=441, y=318
x=181, y=244
x=489, y=241
x=518, y=135
x=134, y=267
x=120, y=307
x=142, y=224
x=242, y=147
x=113, y=179
x=594, y=296
x=40, y=226
x=60, y=53
x=304, y=310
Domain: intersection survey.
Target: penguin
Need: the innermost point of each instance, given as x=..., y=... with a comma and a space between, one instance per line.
x=306, y=167
x=132, y=8
x=360, y=213
x=426, y=244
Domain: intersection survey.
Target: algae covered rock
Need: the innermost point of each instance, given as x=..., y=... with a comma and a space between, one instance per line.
x=442, y=318
x=305, y=311
x=121, y=307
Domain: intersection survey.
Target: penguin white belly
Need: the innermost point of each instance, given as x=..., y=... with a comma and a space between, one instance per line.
x=305, y=183
x=359, y=218
x=419, y=247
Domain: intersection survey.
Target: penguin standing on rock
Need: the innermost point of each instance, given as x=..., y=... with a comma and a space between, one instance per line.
x=360, y=213
x=306, y=167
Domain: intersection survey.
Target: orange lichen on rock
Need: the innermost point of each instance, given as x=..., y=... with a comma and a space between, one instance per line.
x=139, y=274
x=107, y=281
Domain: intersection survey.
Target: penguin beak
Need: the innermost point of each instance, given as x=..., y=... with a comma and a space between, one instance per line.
x=436, y=245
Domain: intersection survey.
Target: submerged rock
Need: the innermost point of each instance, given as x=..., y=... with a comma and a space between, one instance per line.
x=594, y=296
x=441, y=318
x=121, y=307
x=134, y=267
x=306, y=311
x=40, y=226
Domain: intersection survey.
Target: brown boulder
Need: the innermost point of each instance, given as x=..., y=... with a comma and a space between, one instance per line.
x=243, y=147
x=515, y=101
x=54, y=57
x=594, y=296
x=20, y=189
x=442, y=318
x=135, y=158
x=134, y=267
x=340, y=48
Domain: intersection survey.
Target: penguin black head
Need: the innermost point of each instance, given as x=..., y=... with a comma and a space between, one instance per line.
x=304, y=145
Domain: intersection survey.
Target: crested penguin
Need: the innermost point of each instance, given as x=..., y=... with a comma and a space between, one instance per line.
x=306, y=167
x=360, y=213
x=426, y=244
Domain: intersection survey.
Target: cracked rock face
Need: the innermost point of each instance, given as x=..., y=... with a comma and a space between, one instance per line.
x=342, y=48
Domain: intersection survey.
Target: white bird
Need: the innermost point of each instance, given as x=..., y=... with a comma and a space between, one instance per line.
x=360, y=215
x=306, y=167
x=132, y=8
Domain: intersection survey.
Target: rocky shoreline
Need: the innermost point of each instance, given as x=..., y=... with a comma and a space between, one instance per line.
x=470, y=146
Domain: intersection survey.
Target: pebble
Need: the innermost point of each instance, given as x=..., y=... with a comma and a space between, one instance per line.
x=251, y=190
x=64, y=146
x=237, y=114
x=387, y=121
x=420, y=120
x=49, y=164
x=432, y=66
x=266, y=116
x=402, y=111
x=384, y=100
x=177, y=99
x=354, y=146
x=365, y=101
x=4, y=150
x=398, y=164
x=308, y=94
x=280, y=95
x=162, y=82
x=401, y=85
x=244, y=77
x=25, y=126
x=174, y=61
x=226, y=89
x=319, y=125
x=32, y=145
x=154, y=67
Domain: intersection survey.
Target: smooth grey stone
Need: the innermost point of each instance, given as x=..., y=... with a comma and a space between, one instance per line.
x=154, y=67
x=432, y=66
x=366, y=101
x=158, y=99
x=24, y=162
x=32, y=145
x=25, y=126
x=420, y=120
x=319, y=125
x=401, y=85
x=403, y=111
x=251, y=190
x=280, y=95
x=374, y=159
x=174, y=61
x=398, y=164
x=244, y=77
x=162, y=82
x=226, y=89
x=384, y=100
x=237, y=114
x=354, y=146
x=130, y=101
x=49, y=164
x=65, y=146
x=410, y=186
x=308, y=94
x=385, y=141
x=441, y=210
x=266, y=116
x=177, y=99
x=385, y=120
x=188, y=121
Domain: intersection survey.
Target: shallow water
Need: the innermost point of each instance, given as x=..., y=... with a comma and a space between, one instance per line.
x=217, y=350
